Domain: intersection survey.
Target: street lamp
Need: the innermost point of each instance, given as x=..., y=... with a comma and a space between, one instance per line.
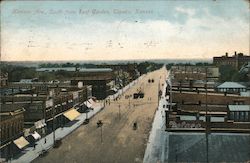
x=100, y=124
x=53, y=116
x=119, y=111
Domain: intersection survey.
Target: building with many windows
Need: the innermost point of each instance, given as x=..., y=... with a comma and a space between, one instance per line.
x=11, y=128
x=237, y=60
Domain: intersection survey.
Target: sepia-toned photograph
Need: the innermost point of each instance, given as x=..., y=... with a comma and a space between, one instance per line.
x=125, y=81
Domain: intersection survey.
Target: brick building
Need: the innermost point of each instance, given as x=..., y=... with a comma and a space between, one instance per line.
x=236, y=61
x=192, y=73
x=211, y=98
x=3, y=79
x=12, y=127
x=41, y=105
x=99, y=79
x=130, y=68
x=218, y=111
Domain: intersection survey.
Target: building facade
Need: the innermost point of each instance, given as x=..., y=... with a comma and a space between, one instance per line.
x=237, y=60
x=3, y=79
x=12, y=127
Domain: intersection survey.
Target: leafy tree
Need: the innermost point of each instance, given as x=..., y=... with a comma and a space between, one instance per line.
x=226, y=73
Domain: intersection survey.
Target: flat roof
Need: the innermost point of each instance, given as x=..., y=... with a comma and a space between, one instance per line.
x=73, y=69
x=239, y=107
x=51, y=69
x=95, y=70
x=187, y=118
x=231, y=85
x=245, y=94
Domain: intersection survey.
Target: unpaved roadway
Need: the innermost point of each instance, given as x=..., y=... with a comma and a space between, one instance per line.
x=116, y=141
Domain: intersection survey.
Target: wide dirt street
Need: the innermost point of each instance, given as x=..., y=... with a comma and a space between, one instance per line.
x=116, y=141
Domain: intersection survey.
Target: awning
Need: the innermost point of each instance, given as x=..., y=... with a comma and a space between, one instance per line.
x=40, y=124
x=91, y=101
x=21, y=142
x=72, y=114
x=36, y=136
x=88, y=104
x=114, y=89
x=26, y=132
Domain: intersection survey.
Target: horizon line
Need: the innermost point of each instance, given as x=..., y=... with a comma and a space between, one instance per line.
x=206, y=59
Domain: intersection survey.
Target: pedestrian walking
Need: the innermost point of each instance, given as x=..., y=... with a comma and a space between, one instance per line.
x=34, y=146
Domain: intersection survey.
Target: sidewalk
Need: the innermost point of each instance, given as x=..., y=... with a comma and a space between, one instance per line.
x=124, y=89
x=154, y=149
x=31, y=153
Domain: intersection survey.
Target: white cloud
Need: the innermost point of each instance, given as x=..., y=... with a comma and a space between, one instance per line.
x=188, y=11
x=199, y=38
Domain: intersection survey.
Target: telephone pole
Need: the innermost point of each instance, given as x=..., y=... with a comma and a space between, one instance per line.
x=119, y=111
x=53, y=114
x=207, y=122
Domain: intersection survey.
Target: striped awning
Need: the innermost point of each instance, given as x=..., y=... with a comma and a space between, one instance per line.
x=72, y=114
x=36, y=135
x=21, y=142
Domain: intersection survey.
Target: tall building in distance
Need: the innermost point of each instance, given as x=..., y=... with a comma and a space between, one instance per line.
x=237, y=60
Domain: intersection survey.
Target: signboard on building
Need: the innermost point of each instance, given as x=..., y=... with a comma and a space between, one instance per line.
x=80, y=84
x=51, y=93
x=49, y=103
x=40, y=124
x=75, y=95
x=89, y=91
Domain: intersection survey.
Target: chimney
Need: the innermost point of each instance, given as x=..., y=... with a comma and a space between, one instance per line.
x=226, y=54
x=235, y=53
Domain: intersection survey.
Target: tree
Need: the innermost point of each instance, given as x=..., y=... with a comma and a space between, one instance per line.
x=226, y=73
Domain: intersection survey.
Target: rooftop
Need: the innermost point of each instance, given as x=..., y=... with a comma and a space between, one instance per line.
x=56, y=69
x=184, y=147
x=74, y=69
x=239, y=107
x=231, y=85
x=95, y=70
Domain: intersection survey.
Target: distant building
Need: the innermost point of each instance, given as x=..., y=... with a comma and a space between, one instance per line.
x=54, y=69
x=3, y=79
x=192, y=73
x=130, y=68
x=236, y=61
x=28, y=80
x=231, y=87
x=100, y=79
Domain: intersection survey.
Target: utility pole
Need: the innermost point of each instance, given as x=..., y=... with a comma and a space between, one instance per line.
x=207, y=121
x=119, y=111
x=100, y=124
x=129, y=101
x=44, y=114
x=158, y=92
x=53, y=114
x=171, y=92
x=101, y=133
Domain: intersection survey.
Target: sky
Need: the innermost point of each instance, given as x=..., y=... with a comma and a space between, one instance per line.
x=122, y=30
